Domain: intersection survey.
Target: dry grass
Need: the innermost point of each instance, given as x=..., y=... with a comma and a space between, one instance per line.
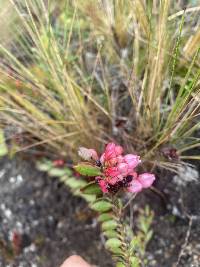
x=103, y=70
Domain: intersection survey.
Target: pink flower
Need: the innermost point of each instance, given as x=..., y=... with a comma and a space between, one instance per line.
x=123, y=168
x=103, y=185
x=112, y=172
x=146, y=179
x=132, y=160
x=112, y=180
x=135, y=186
x=112, y=151
x=118, y=170
x=114, y=148
x=102, y=158
x=140, y=182
x=120, y=159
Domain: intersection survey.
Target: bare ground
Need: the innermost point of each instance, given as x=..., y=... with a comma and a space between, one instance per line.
x=41, y=223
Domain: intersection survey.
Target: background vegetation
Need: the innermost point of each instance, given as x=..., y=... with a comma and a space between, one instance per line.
x=86, y=72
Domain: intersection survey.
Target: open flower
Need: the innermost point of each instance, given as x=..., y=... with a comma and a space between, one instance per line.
x=132, y=160
x=112, y=151
x=112, y=172
x=123, y=168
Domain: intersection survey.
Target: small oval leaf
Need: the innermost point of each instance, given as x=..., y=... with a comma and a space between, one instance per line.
x=88, y=198
x=134, y=243
x=135, y=262
x=87, y=169
x=113, y=243
x=102, y=206
x=91, y=189
x=44, y=166
x=58, y=172
x=105, y=217
x=109, y=225
x=75, y=183
x=110, y=234
x=116, y=251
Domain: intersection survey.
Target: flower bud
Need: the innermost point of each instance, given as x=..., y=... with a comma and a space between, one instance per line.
x=146, y=179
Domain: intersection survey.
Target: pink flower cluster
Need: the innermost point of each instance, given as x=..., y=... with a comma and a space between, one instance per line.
x=119, y=171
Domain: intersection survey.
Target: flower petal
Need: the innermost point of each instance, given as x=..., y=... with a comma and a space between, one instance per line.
x=103, y=185
x=123, y=168
x=146, y=179
x=134, y=187
x=132, y=160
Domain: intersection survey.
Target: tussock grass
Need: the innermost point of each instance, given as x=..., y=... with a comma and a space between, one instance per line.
x=94, y=71
x=43, y=97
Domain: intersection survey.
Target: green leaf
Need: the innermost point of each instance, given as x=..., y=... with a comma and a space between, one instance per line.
x=75, y=183
x=149, y=236
x=110, y=233
x=116, y=251
x=87, y=169
x=120, y=264
x=3, y=146
x=58, y=172
x=134, y=243
x=113, y=243
x=109, y=225
x=91, y=189
x=44, y=166
x=105, y=217
x=88, y=198
x=64, y=178
x=102, y=206
x=135, y=262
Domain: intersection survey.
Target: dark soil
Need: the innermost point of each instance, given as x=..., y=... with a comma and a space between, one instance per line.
x=41, y=223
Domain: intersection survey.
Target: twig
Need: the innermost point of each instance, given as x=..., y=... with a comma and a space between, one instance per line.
x=131, y=215
x=129, y=201
x=185, y=242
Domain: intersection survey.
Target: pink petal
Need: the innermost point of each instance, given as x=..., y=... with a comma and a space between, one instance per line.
x=112, y=180
x=110, y=146
x=109, y=154
x=132, y=160
x=103, y=185
x=112, y=171
x=120, y=159
x=112, y=162
x=120, y=177
x=118, y=150
x=102, y=158
x=146, y=179
x=123, y=168
x=134, y=187
x=112, y=151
